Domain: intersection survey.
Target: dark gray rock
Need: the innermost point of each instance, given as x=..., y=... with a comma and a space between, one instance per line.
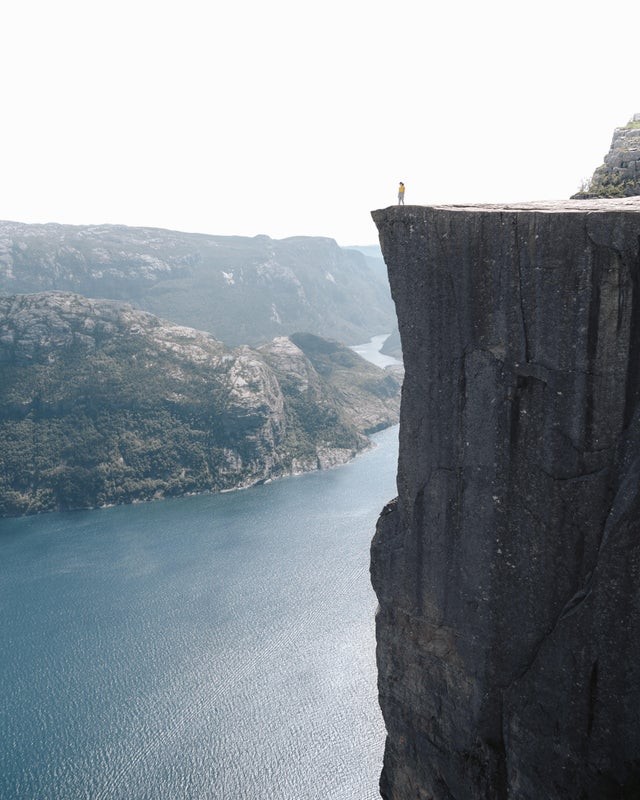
x=508, y=569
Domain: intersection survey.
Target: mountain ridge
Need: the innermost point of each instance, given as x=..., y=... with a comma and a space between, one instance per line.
x=243, y=290
x=101, y=403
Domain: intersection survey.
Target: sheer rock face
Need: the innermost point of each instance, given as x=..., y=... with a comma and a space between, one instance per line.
x=508, y=569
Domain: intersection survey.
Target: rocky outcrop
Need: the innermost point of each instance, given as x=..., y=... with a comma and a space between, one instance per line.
x=508, y=568
x=366, y=398
x=102, y=404
x=243, y=290
x=619, y=176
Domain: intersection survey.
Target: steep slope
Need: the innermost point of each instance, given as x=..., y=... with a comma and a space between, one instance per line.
x=508, y=569
x=102, y=404
x=361, y=394
x=242, y=290
x=619, y=175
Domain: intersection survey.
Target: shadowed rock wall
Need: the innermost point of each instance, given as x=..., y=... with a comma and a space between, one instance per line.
x=508, y=569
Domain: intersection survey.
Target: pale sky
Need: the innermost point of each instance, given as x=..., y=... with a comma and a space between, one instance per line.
x=285, y=117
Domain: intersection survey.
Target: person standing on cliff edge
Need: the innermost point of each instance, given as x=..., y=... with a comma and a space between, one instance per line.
x=401, y=194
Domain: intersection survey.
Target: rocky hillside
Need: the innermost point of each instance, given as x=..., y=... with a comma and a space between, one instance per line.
x=362, y=394
x=242, y=290
x=101, y=404
x=508, y=569
x=619, y=176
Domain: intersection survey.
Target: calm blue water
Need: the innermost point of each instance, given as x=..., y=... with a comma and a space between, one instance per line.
x=218, y=646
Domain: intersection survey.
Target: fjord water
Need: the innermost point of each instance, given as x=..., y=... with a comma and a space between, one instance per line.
x=371, y=351
x=219, y=646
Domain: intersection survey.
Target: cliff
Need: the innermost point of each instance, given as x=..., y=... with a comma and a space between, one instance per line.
x=365, y=397
x=102, y=404
x=619, y=175
x=508, y=568
x=243, y=290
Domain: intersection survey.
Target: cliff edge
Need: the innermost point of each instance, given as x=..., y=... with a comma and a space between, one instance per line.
x=508, y=568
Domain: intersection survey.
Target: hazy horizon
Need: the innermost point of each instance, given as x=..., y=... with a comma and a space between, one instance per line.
x=285, y=120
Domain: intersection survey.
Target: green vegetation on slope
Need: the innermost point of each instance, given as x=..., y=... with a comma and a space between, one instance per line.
x=101, y=404
x=242, y=290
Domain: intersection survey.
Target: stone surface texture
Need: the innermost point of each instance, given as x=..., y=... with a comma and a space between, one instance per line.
x=508, y=568
x=619, y=175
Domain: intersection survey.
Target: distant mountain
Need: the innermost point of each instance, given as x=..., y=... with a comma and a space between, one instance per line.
x=393, y=345
x=370, y=250
x=102, y=404
x=363, y=394
x=373, y=256
x=242, y=290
